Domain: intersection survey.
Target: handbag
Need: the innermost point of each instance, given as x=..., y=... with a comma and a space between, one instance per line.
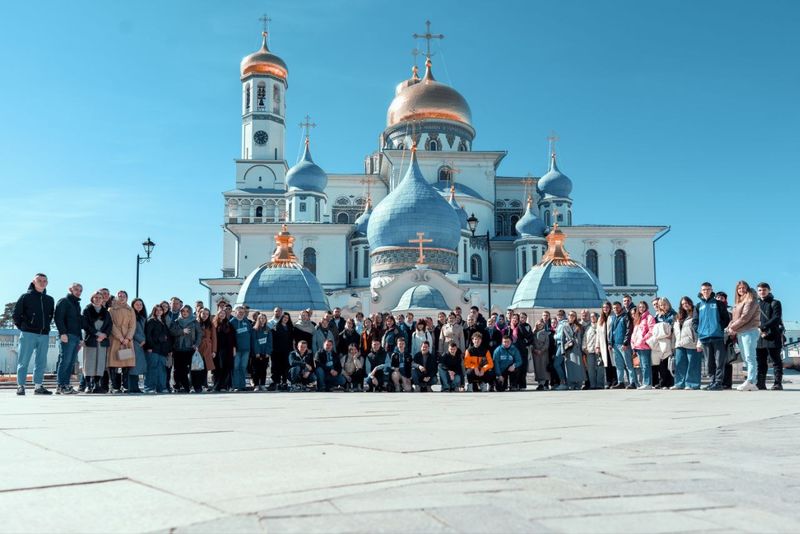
x=197, y=362
x=125, y=354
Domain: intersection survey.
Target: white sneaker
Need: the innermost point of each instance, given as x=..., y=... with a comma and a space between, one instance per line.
x=645, y=387
x=747, y=386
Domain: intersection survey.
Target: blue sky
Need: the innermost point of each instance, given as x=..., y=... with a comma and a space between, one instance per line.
x=121, y=121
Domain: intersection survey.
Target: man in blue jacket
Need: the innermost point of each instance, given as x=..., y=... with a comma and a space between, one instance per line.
x=507, y=360
x=244, y=343
x=69, y=319
x=328, y=368
x=33, y=314
x=423, y=372
x=710, y=319
x=620, y=339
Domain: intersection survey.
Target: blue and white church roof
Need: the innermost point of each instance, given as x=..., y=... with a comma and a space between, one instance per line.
x=306, y=175
x=530, y=225
x=282, y=282
x=554, y=183
x=558, y=282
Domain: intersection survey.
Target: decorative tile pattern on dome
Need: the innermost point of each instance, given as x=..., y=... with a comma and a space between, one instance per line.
x=291, y=288
x=559, y=286
x=399, y=259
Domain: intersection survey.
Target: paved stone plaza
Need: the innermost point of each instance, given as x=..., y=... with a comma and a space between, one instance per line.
x=593, y=461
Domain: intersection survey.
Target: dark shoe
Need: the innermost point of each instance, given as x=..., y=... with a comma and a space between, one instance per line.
x=41, y=390
x=20, y=390
x=761, y=386
x=777, y=387
x=540, y=387
x=630, y=386
x=585, y=387
x=617, y=386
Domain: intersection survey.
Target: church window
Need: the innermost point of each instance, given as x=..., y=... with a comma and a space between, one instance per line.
x=560, y=217
x=534, y=260
x=513, y=225
x=547, y=218
x=259, y=211
x=366, y=263
x=310, y=260
x=355, y=263
x=465, y=256
x=462, y=146
x=247, y=98
x=569, y=218
x=591, y=261
x=475, y=267
x=317, y=211
x=524, y=261
x=276, y=99
x=401, y=146
x=302, y=208
x=444, y=174
x=499, y=225
x=261, y=96
x=620, y=268
x=433, y=145
x=342, y=218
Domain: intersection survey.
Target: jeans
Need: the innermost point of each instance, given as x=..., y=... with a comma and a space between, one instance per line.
x=558, y=365
x=240, y=369
x=325, y=380
x=417, y=378
x=623, y=361
x=688, y=363
x=596, y=371
x=66, y=359
x=156, y=377
x=747, y=344
x=716, y=353
x=646, y=365
x=447, y=383
x=28, y=343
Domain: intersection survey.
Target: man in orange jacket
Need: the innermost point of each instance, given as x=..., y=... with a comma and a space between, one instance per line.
x=478, y=363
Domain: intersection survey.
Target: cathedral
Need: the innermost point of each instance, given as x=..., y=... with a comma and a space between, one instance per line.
x=430, y=224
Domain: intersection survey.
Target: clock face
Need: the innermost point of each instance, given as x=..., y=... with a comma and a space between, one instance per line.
x=260, y=137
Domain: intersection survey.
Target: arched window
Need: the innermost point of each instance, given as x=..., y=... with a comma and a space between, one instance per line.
x=462, y=146
x=569, y=218
x=343, y=218
x=547, y=218
x=276, y=99
x=261, y=96
x=247, y=98
x=512, y=228
x=524, y=261
x=433, y=145
x=310, y=260
x=355, y=263
x=401, y=146
x=591, y=261
x=475, y=267
x=500, y=225
x=366, y=263
x=444, y=174
x=317, y=211
x=620, y=268
x=259, y=211
x=534, y=260
x=465, y=256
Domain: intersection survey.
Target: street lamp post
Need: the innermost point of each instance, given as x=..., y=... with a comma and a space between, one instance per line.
x=472, y=223
x=148, y=248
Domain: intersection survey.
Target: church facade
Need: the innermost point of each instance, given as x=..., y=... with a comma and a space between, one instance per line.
x=419, y=213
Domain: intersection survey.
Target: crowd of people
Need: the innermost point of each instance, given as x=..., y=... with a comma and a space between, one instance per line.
x=173, y=347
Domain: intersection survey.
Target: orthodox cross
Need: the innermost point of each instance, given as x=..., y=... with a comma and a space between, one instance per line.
x=428, y=36
x=552, y=139
x=265, y=20
x=528, y=181
x=555, y=218
x=452, y=172
x=420, y=240
x=307, y=125
x=368, y=182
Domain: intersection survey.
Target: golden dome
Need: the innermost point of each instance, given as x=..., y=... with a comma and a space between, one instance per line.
x=264, y=62
x=428, y=99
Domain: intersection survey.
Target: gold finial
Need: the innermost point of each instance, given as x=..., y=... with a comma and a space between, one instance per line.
x=530, y=201
x=284, y=229
x=420, y=240
x=284, y=254
x=415, y=73
x=556, y=253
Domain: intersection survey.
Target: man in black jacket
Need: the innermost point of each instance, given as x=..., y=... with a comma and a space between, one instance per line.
x=770, y=341
x=328, y=367
x=423, y=373
x=68, y=319
x=33, y=314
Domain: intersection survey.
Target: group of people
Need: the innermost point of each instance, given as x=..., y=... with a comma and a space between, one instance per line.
x=172, y=347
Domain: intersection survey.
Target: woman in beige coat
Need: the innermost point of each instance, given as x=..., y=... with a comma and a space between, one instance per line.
x=123, y=327
x=745, y=326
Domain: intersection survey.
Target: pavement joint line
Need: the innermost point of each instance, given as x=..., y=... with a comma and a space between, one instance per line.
x=178, y=496
x=622, y=495
x=131, y=436
x=479, y=446
x=172, y=454
x=64, y=485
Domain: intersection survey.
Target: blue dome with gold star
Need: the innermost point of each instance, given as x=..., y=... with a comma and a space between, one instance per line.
x=413, y=206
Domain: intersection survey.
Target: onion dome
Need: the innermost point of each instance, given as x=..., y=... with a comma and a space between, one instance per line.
x=530, y=225
x=282, y=282
x=462, y=215
x=263, y=61
x=406, y=83
x=413, y=206
x=554, y=183
x=558, y=281
x=306, y=175
x=421, y=297
x=428, y=99
x=362, y=221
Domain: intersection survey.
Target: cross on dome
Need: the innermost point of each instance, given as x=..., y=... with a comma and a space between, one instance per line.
x=428, y=36
x=307, y=125
x=420, y=240
x=265, y=20
x=552, y=139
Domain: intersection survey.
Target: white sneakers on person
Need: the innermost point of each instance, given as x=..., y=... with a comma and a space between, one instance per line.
x=645, y=387
x=747, y=386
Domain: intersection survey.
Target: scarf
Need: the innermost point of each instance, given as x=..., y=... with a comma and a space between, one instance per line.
x=305, y=326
